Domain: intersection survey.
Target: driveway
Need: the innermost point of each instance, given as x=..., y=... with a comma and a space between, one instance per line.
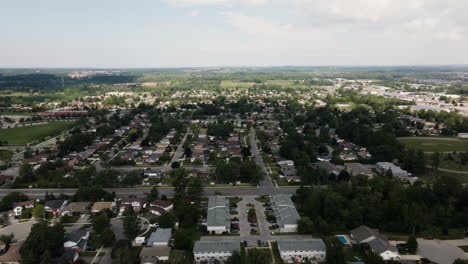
x=19, y=229
x=440, y=251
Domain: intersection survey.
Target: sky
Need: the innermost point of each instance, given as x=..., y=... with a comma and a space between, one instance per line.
x=209, y=33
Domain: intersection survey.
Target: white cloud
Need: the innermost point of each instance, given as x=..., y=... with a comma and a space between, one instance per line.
x=194, y=13
x=216, y=2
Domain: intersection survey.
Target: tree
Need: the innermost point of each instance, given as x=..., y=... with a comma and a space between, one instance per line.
x=167, y=220
x=412, y=245
x=195, y=189
x=183, y=239
x=236, y=258
x=100, y=222
x=305, y=225
x=122, y=252
x=7, y=239
x=335, y=253
x=153, y=195
x=107, y=237
x=258, y=256
x=92, y=194
x=8, y=201
x=39, y=211
x=131, y=226
x=43, y=241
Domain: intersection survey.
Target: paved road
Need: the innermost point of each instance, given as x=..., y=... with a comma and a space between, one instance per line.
x=256, y=154
x=180, y=149
x=447, y=170
x=19, y=229
x=168, y=191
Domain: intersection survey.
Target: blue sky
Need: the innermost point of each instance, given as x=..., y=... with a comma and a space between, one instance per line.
x=183, y=33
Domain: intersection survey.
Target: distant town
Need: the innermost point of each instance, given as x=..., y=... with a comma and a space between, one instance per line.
x=234, y=165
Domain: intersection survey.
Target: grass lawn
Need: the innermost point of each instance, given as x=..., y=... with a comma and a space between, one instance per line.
x=433, y=144
x=276, y=254
x=234, y=84
x=451, y=164
x=465, y=248
x=429, y=176
x=180, y=257
x=25, y=135
x=5, y=154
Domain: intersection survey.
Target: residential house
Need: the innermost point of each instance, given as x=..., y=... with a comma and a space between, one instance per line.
x=331, y=169
x=357, y=169
x=12, y=256
x=160, y=237
x=101, y=206
x=378, y=243
x=302, y=250
x=135, y=203
x=18, y=207
x=5, y=179
x=154, y=255
x=396, y=171
x=159, y=207
x=75, y=208
x=77, y=240
x=214, y=251
x=55, y=206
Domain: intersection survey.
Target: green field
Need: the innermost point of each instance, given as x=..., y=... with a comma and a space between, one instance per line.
x=236, y=84
x=5, y=154
x=25, y=135
x=433, y=144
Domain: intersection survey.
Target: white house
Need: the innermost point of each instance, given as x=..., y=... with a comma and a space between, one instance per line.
x=211, y=251
x=18, y=207
x=297, y=250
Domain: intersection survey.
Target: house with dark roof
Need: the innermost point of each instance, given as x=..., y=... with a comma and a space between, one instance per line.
x=154, y=255
x=77, y=239
x=377, y=242
x=159, y=207
x=55, y=206
x=160, y=237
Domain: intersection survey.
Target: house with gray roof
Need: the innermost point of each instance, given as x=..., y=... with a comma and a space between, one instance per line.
x=357, y=169
x=214, y=251
x=302, y=250
x=377, y=242
x=285, y=213
x=75, y=208
x=77, y=239
x=218, y=216
x=160, y=237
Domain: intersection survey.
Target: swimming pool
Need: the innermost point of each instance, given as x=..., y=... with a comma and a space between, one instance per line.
x=343, y=239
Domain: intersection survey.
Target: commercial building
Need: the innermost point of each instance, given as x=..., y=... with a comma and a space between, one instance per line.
x=299, y=251
x=285, y=213
x=214, y=251
x=218, y=217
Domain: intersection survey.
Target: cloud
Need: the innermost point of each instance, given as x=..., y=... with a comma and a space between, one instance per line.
x=216, y=2
x=194, y=13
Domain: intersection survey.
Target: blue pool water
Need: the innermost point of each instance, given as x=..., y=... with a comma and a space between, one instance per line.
x=342, y=239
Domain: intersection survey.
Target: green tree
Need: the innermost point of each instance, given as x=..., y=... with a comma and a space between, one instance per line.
x=412, y=245
x=131, y=226
x=335, y=253
x=167, y=220
x=153, y=195
x=256, y=255
x=100, y=222
x=39, y=211
x=236, y=258
x=305, y=225
x=8, y=201
x=43, y=241
x=107, y=237
x=122, y=252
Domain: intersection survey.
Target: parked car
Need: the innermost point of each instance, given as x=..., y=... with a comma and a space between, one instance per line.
x=253, y=229
x=253, y=225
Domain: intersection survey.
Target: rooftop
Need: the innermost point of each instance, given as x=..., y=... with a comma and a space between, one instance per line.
x=284, y=210
x=305, y=244
x=215, y=246
x=218, y=211
x=161, y=235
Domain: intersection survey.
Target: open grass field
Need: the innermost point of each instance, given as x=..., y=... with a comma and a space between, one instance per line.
x=236, y=84
x=5, y=154
x=25, y=135
x=433, y=144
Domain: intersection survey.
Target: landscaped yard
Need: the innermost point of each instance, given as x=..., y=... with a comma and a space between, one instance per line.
x=433, y=144
x=5, y=154
x=25, y=135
